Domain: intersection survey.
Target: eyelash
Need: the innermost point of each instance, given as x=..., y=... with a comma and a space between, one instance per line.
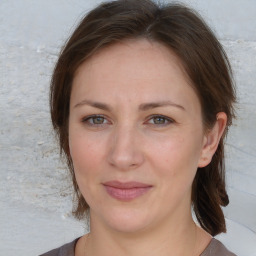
x=93, y=117
x=166, y=120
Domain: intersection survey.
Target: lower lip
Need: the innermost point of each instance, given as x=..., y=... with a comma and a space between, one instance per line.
x=126, y=194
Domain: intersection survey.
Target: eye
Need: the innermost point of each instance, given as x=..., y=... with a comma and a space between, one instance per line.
x=95, y=120
x=160, y=120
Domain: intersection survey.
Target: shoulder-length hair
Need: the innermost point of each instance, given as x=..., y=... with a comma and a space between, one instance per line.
x=181, y=30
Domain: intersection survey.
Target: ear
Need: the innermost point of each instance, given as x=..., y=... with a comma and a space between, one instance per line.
x=211, y=139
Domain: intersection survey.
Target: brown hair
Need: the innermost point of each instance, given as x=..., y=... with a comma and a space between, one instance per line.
x=206, y=64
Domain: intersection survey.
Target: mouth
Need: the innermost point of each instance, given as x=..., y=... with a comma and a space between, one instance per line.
x=126, y=191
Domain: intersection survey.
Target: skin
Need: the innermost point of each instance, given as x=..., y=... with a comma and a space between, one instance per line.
x=160, y=144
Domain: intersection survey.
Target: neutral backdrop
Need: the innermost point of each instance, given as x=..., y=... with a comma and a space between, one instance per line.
x=35, y=194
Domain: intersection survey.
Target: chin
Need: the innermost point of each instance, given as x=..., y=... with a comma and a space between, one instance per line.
x=125, y=220
x=130, y=226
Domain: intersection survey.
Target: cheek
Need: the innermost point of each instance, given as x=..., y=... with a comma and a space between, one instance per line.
x=177, y=156
x=177, y=166
x=87, y=165
x=85, y=154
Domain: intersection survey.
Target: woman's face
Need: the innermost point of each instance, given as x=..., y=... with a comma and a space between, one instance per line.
x=135, y=135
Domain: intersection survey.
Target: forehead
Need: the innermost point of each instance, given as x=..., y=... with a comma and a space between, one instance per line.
x=142, y=53
x=135, y=69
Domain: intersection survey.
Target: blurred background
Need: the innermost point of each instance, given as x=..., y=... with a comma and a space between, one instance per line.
x=35, y=193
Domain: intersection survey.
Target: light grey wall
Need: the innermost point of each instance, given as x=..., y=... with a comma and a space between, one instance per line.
x=35, y=196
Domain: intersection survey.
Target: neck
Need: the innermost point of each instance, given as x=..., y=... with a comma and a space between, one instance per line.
x=173, y=238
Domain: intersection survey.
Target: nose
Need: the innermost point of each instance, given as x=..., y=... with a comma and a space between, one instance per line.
x=125, y=151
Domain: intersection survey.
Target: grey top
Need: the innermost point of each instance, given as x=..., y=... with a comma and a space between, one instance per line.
x=215, y=248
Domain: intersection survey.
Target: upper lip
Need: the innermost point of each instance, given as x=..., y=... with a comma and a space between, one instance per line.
x=126, y=185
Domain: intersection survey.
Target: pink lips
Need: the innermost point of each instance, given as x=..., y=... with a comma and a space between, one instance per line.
x=126, y=191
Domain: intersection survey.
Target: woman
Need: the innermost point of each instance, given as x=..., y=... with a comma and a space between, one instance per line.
x=141, y=98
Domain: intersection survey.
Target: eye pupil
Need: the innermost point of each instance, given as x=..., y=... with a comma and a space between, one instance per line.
x=159, y=120
x=98, y=120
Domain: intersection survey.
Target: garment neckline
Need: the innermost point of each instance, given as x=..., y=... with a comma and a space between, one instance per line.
x=207, y=248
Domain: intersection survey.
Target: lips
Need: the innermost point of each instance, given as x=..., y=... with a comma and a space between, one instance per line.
x=126, y=191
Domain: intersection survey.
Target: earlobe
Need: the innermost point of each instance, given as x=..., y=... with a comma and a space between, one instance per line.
x=211, y=139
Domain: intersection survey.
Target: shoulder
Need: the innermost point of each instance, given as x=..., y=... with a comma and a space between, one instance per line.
x=65, y=250
x=215, y=247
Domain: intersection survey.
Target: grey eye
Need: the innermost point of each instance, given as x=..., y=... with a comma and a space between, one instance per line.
x=97, y=120
x=159, y=120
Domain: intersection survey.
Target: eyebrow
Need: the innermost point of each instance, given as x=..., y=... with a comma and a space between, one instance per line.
x=151, y=105
x=142, y=107
x=94, y=104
